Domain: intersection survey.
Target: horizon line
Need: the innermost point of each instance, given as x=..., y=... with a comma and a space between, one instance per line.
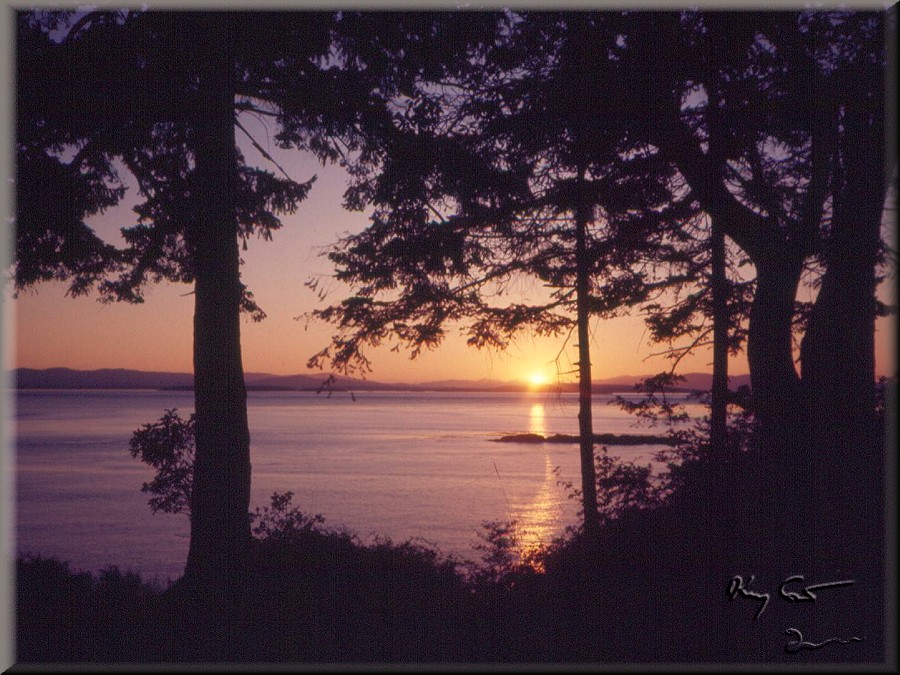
x=367, y=377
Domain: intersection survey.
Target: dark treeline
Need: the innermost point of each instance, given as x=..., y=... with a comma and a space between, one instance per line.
x=698, y=167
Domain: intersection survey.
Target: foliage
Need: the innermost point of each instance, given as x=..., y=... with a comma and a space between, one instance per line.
x=118, y=92
x=885, y=389
x=477, y=156
x=655, y=406
x=283, y=522
x=159, y=95
x=682, y=318
x=500, y=557
x=67, y=615
x=507, y=180
x=103, y=94
x=622, y=486
x=485, y=191
x=168, y=446
x=690, y=438
x=772, y=120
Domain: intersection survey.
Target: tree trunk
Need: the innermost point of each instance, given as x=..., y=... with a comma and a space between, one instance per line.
x=776, y=386
x=718, y=425
x=837, y=355
x=585, y=411
x=838, y=350
x=220, y=527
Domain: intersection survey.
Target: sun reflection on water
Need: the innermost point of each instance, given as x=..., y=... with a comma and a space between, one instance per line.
x=538, y=521
x=537, y=419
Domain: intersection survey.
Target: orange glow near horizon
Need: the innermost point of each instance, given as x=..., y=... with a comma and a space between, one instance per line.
x=53, y=330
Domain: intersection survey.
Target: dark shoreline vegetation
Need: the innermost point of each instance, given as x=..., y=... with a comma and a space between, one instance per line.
x=652, y=587
x=652, y=594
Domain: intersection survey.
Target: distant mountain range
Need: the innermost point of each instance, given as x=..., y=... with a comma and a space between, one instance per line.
x=66, y=378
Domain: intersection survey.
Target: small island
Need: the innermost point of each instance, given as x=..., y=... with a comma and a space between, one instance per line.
x=603, y=439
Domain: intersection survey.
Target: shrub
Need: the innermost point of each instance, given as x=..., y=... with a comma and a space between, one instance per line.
x=282, y=521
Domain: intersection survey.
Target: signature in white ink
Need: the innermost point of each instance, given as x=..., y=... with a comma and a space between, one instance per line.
x=797, y=645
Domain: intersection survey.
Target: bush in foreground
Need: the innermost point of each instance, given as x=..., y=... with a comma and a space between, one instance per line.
x=652, y=587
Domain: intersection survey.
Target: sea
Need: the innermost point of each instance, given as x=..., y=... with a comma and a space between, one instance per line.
x=420, y=466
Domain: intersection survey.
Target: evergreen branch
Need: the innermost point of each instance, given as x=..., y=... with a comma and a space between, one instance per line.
x=262, y=150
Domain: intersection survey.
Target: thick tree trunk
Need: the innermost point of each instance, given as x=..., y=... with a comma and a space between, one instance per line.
x=838, y=351
x=838, y=366
x=775, y=383
x=718, y=426
x=837, y=355
x=220, y=528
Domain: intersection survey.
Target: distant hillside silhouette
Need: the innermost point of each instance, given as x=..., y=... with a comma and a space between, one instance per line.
x=106, y=378
x=119, y=378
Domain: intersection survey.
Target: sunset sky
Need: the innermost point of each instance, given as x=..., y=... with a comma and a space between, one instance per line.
x=54, y=330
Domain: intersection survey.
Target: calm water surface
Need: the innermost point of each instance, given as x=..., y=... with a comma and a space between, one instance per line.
x=391, y=464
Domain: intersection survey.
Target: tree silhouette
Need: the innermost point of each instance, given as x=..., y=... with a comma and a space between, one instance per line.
x=493, y=147
x=776, y=122
x=761, y=148
x=495, y=172
x=706, y=305
x=168, y=446
x=159, y=94
x=481, y=167
x=718, y=422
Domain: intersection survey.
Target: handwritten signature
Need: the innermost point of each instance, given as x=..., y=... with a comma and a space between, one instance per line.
x=797, y=645
x=739, y=587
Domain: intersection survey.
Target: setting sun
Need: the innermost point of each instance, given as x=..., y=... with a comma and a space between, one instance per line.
x=537, y=379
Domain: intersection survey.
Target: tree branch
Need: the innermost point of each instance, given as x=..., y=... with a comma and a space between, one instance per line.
x=262, y=150
x=748, y=230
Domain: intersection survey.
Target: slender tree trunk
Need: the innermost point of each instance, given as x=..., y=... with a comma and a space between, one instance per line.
x=220, y=528
x=585, y=411
x=718, y=428
x=579, y=37
x=588, y=618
